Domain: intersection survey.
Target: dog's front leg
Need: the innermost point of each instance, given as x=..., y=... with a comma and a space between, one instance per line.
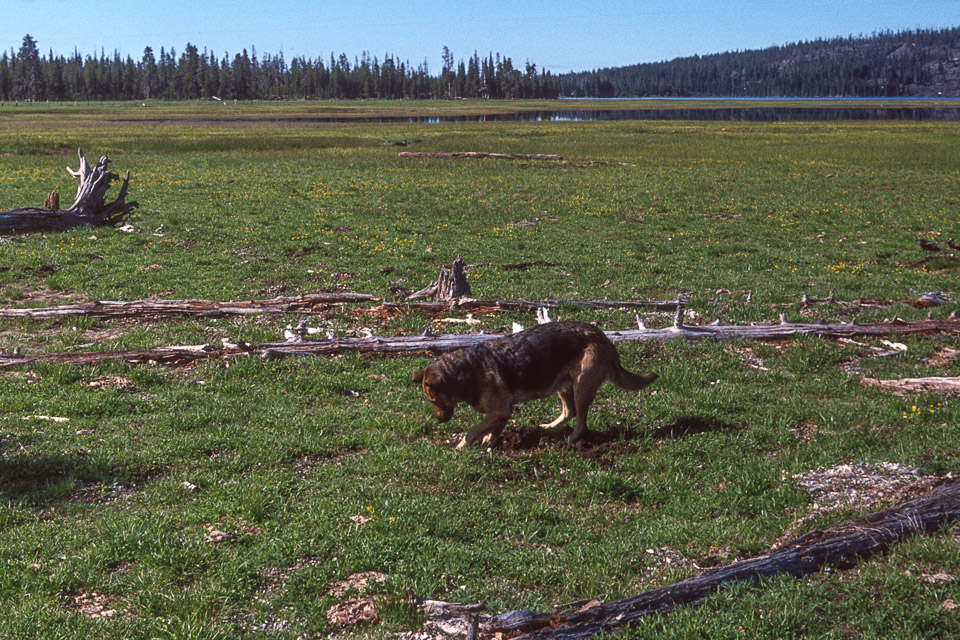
x=490, y=426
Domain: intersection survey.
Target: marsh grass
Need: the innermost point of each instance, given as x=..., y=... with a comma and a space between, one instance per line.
x=122, y=499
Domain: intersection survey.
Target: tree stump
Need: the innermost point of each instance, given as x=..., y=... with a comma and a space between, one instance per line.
x=88, y=208
x=52, y=202
x=450, y=285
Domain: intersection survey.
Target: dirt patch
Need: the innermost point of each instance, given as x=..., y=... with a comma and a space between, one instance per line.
x=91, y=605
x=46, y=297
x=277, y=578
x=660, y=560
x=600, y=446
x=355, y=612
x=305, y=466
x=42, y=269
x=943, y=359
x=110, y=382
x=356, y=582
x=102, y=493
x=858, y=486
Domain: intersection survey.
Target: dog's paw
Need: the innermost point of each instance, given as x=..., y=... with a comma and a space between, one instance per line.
x=490, y=441
x=463, y=444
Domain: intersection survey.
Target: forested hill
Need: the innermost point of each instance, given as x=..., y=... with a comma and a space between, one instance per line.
x=908, y=63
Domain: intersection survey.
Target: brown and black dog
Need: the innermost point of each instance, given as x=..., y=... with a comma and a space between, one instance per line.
x=571, y=359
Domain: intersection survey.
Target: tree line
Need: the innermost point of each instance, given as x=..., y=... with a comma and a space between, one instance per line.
x=27, y=75
x=921, y=62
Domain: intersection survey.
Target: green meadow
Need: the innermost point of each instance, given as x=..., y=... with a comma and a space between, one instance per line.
x=229, y=499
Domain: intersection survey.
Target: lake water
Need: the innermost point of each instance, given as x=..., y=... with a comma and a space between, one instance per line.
x=730, y=114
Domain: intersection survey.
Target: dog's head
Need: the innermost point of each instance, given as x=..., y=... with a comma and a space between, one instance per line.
x=438, y=391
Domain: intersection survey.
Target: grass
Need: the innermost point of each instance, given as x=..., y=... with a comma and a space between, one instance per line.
x=284, y=457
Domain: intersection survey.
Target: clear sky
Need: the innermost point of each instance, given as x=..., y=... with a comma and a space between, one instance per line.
x=559, y=35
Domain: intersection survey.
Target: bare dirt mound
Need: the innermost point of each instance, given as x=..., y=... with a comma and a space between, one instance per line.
x=599, y=446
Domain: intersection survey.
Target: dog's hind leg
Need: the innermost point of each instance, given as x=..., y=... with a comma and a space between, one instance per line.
x=584, y=391
x=568, y=410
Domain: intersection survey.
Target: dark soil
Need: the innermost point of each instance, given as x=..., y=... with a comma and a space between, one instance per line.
x=599, y=446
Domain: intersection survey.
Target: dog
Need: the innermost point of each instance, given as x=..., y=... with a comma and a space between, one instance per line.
x=571, y=359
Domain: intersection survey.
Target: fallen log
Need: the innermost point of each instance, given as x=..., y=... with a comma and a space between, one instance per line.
x=433, y=344
x=302, y=304
x=492, y=306
x=314, y=303
x=88, y=208
x=910, y=386
x=480, y=154
x=839, y=546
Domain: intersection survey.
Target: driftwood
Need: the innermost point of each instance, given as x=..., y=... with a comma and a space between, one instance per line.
x=909, y=386
x=480, y=154
x=450, y=285
x=840, y=546
x=433, y=344
x=303, y=304
x=88, y=208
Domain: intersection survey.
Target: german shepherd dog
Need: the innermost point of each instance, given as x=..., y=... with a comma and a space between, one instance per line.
x=571, y=359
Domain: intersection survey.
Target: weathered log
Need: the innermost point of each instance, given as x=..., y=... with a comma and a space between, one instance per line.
x=450, y=285
x=491, y=306
x=840, y=546
x=431, y=344
x=88, y=208
x=303, y=304
x=480, y=154
x=909, y=386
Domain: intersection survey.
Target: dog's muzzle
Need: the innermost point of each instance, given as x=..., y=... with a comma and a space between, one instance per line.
x=443, y=414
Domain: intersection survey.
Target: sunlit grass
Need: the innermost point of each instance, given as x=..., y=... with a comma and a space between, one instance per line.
x=281, y=455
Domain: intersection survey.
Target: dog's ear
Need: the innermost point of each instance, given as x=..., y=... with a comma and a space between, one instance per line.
x=418, y=375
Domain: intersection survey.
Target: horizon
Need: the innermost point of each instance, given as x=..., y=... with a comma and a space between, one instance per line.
x=558, y=37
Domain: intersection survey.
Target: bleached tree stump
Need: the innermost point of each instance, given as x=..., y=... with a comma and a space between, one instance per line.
x=450, y=285
x=88, y=208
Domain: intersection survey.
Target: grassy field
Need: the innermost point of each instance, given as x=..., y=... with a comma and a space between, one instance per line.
x=228, y=500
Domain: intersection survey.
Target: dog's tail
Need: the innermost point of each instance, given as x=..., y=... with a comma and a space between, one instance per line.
x=631, y=381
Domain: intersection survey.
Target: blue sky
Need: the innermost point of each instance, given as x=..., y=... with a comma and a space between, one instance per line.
x=559, y=35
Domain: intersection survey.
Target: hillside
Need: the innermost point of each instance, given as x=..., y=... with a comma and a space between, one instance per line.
x=908, y=63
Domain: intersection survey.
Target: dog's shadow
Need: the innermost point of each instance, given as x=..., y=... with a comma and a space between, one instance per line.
x=688, y=426
x=54, y=478
x=520, y=438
